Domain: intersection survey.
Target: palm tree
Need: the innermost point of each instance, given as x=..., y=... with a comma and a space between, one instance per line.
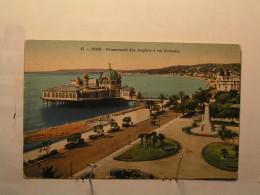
x=154, y=138
x=162, y=98
x=181, y=94
x=142, y=138
x=161, y=137
x=174, y=100
x=147, y=137
x=50, y=172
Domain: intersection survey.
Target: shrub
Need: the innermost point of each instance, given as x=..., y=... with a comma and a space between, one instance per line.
x=53, y=152
x=194, y=125
x=113, y=130
x=130, y=174
x=169, y=148
x=125, y=125
x=186, y=129
x=92, y=137
x=70, y=145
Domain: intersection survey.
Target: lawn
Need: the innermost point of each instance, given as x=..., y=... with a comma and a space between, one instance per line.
x=212, y=154
x=144, y=153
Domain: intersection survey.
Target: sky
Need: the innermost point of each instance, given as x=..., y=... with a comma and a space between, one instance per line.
x=44, y=55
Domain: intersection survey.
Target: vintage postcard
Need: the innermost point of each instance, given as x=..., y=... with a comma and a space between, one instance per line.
x=131, y=110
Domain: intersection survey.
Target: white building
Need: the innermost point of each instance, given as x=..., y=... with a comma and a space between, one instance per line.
x=227, y=81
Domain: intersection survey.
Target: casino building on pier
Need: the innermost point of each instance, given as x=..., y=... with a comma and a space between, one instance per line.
x=108, y=86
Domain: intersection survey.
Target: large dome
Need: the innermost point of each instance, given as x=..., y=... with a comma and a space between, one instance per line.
x=111, y=74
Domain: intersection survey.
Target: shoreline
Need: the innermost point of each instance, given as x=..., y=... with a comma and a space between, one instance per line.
x=69, y=128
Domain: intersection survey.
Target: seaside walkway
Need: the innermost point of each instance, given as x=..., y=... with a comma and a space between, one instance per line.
x=137, y=116
x=96, y=150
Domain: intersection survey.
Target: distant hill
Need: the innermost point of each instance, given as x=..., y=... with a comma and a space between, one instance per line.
x=179, y=69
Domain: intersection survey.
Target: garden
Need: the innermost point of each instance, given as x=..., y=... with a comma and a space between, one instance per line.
x=221, y=155
x=152, y=147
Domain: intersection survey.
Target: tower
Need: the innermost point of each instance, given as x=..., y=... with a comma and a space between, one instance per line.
x=85, y=82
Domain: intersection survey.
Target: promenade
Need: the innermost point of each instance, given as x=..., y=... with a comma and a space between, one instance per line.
x=100, y=148
x=137, y=116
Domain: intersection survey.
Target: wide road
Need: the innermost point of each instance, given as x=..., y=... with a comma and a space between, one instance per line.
x=96, y=150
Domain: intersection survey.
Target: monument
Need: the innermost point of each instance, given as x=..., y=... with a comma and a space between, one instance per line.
x=206, y=126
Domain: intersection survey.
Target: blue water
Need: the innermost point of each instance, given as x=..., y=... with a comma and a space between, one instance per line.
x=38, y=115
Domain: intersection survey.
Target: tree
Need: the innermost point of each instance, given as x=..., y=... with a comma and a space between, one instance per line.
x=154, y=138
x=224, y=153
x=236, y=149
x=227, y=135
x=75, y=138
x=191, y=105
x=98, y=129
x=156, y=108
x=50, y=172
x=161, y=137
x=114, y=125
x=150, y=103
x=45, y=146
x=200, y=95
x=126, y=121
x=147, y=137
x=181, y=108
x=142, y=138
x=162, y=98
x=181, y=94
x=173, y=100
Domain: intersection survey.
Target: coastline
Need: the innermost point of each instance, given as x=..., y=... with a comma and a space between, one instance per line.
x=69, y=128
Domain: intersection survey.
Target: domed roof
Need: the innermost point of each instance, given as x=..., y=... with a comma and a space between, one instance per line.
x=111, y=74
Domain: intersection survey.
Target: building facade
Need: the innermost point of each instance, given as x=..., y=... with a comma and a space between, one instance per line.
x=107, y=86
x=227, y=81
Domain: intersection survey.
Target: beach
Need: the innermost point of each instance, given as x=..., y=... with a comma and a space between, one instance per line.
x=68, y=129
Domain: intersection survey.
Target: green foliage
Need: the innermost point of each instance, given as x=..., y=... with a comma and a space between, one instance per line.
x=114, y=129
x=98, y=129
x=213, y=154
x=114, y=124
x=200, y=95
x=140, y=153
x=74, y=137
x=191, y=104
x=74, y=141
x=52, y=153
x=127, y=119
x=45, y=146
x=92, y=137
x=227, y=135
x=50, y=172
x=156, y=108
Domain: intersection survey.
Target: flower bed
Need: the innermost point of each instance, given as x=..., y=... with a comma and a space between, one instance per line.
x=227, y=144
x=126, y=156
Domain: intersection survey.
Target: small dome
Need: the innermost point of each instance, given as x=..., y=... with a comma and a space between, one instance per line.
x=111, y=74
x=85, y=74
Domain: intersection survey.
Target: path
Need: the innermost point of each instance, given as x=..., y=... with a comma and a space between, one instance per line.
x=193, y=165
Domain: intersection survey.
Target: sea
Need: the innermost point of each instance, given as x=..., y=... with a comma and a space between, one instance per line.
x=39, y=115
